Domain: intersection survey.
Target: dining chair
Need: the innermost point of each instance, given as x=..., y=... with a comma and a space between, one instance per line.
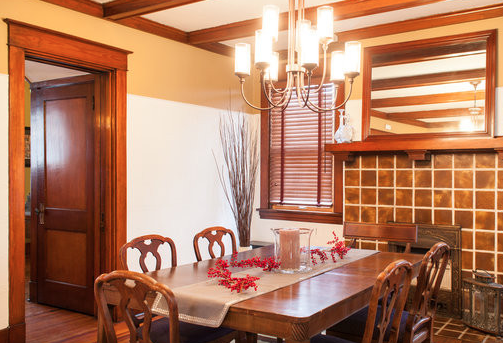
x=416, y=325
x=137, y=289
x=147, y=244
x=214, y=235
x=386, y=305
x=390, y=232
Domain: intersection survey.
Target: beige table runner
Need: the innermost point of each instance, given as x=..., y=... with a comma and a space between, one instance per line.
x=206, y=303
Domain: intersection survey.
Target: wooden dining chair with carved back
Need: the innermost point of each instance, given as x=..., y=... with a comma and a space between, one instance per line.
x=386, y=305
x=416, y=325
x=390, y=232
x=214, y=235
x=145, y=245
x=138, y=290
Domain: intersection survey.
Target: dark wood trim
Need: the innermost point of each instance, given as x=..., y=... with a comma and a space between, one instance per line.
x=411, y=146
x=342, y=10
x=40, y=43
x=300, y=216
x=92, y=55
x=437, y=20
x=120, y=9
x=83, y=6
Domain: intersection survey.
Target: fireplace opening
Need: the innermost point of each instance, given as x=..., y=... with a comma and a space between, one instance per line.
x=449, y=302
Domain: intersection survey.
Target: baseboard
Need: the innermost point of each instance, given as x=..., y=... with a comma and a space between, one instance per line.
x=13, y=334
x=4, y=335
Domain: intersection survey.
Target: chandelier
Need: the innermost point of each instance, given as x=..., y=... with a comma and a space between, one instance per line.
x=303, y=58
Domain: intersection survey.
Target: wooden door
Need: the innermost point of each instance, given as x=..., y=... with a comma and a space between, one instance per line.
x=65, y=174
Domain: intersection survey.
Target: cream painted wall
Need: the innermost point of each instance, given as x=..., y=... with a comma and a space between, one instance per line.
x=4, y=198
x=173, y=186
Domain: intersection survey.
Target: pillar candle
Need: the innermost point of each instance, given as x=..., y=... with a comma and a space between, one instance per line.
x=289, y=242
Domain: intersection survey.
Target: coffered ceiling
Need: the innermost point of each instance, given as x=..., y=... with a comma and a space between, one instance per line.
x=216, y=25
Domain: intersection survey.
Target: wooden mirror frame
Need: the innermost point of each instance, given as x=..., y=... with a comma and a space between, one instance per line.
x=490, y=77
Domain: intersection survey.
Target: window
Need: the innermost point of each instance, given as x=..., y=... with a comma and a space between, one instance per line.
x=297, y=175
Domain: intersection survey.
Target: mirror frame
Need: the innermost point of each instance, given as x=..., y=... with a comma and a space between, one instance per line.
x=439, y=42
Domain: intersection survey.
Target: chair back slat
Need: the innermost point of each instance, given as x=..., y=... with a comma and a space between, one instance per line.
x=140, y=243
x=424, y=304
x=135, y=290
x=214, y=235
x=390, y=291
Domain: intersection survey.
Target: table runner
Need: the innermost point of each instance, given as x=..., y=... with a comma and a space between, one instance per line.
x=206, y=303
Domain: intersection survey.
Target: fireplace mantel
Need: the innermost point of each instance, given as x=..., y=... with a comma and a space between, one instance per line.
x=416, y=149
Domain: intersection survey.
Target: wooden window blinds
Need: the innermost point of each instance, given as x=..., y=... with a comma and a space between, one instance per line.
x=300, y=170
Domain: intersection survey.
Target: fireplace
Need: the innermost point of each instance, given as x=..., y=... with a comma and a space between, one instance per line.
x=449, y=302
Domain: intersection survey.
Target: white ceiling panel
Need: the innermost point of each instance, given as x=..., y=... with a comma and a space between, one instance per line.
x=384, y=18
x=36, y=72
x=211, y=13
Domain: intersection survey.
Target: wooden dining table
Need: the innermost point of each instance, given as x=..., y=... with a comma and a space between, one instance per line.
x=296, y=312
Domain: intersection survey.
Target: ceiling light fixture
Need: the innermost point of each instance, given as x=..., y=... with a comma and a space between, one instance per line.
x=303, y=57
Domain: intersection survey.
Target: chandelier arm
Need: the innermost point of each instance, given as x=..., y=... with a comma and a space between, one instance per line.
x=249, y=103
x=280, y=103
x=333, y=107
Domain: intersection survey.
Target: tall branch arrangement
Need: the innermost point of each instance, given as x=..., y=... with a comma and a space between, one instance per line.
x=239, y=172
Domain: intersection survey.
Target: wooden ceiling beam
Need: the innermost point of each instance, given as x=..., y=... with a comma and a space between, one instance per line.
x=120, y=9
x=451, y=112
x=155, y=28
x=342, y=10
x=386, y=116
x=426, y=99
x=82, y=6
x=429, y=79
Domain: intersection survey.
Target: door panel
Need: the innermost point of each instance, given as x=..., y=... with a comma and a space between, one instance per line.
x=63, y=125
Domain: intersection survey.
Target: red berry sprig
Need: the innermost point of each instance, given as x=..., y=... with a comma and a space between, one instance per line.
x=339, y=248
x=221, y=271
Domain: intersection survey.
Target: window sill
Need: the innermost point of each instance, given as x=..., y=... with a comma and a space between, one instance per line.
x=301, y=216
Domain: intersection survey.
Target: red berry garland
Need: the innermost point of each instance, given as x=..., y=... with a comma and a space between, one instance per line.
x=221, y=271
x=339, y=248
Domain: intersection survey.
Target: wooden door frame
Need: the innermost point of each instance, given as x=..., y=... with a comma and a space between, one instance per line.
x=28, y=41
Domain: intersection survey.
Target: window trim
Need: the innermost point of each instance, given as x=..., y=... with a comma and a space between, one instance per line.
x=266, y=211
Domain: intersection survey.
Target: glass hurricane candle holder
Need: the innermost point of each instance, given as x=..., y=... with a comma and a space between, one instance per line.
x=292, y=248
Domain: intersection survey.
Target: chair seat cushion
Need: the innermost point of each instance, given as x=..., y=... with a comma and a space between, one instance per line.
x=354, y=326
x=328, y=339
x=189, y=333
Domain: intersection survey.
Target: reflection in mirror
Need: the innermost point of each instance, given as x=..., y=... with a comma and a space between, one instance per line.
x=433, y=86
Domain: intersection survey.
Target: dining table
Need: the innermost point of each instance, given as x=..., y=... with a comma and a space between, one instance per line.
x=295, y=312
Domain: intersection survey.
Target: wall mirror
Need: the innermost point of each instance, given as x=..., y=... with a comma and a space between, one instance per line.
x=434, y=87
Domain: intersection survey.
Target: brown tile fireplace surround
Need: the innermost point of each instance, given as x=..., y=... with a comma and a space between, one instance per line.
x=463, y=189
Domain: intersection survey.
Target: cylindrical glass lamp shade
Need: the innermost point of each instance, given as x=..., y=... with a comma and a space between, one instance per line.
x=301, y=31
x=271, y=73
x=337, y=66
x=325, y=24
x=242, y=59
x=309, y=51
x=263, y=50
x=292, y=248
x=352, y=58
x=270, y=20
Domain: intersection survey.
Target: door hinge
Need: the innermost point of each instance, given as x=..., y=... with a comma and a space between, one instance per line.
x=93, y=102
x=102, y=222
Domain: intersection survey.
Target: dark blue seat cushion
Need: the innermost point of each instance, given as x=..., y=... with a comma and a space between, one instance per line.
x=328, y=339
x=189, y=333
x=355, y=325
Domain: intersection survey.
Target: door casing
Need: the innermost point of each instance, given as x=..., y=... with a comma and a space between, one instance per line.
x=31, y=42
